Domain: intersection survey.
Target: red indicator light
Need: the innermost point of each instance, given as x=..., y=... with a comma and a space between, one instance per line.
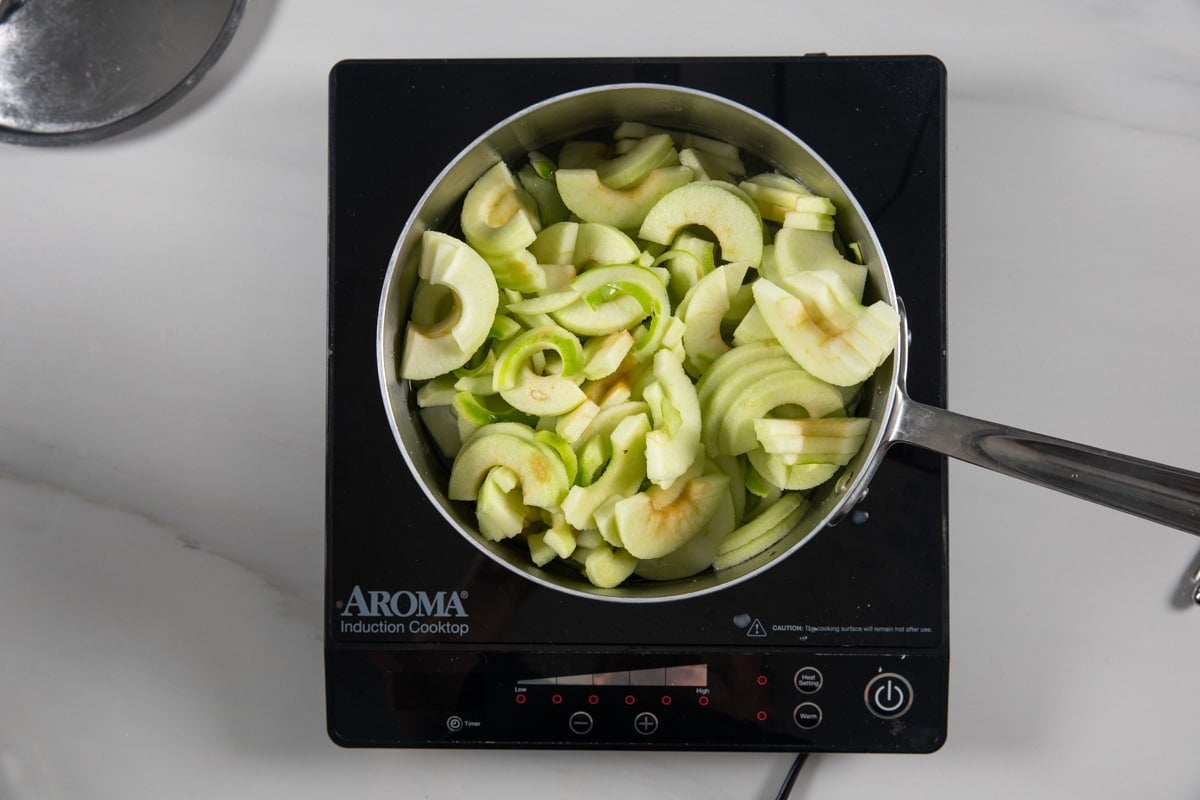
x=630, y=699
x=761, y=716
x=703, y=700
x=593, y=699
x=556, y=699
x=762, y=680
x=521, y=698
x=666, y=699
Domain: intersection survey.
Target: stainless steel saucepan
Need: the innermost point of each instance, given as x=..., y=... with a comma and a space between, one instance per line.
x=1160, y=493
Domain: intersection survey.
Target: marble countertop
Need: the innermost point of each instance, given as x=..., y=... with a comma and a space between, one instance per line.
x=162, y=413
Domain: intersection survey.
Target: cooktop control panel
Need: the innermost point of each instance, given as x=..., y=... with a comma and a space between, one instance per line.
x=820, y=700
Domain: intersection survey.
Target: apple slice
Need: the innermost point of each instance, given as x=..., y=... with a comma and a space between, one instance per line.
x=697, y=553
x=812, y=333
x=447, y=344
x=499, y=509
x=674, y=444
x=789, y=477
x=797, y=250
x=632, y=168
x=660, y=520
x=543, y=477
x=605, y=567
x=591, y=200
x=735, y=224
x=761, y=533
x=540, y=394
x=622, y=476
x=704, y=308
x=830, y=440
x=498, y=216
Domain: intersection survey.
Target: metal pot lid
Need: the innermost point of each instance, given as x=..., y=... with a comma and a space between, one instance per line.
x=79, y=70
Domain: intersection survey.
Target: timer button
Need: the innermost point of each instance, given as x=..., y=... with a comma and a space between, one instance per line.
x=808, y=680
x=807, y=715
x=888, y=695
x=580, y=722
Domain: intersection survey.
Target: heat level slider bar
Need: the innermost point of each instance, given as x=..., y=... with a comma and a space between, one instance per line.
x=687, y=675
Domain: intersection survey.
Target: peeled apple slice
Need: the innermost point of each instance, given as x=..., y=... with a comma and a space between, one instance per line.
x=809, y=319
x=766, y=529
x=660, y=520
x=831, y=440
x=797, y=250
x=673, y=446
x=734, y=222
x=543, y=477
x=498, y=216
x=432, y=350
x=591, y=200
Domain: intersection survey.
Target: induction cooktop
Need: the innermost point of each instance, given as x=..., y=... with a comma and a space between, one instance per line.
x=429, y=643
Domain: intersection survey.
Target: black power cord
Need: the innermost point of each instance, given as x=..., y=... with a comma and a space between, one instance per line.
x=785, y=790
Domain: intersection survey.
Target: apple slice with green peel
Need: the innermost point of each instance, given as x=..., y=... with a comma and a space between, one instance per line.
x=789, y=477
x=432, y=350
x=632, y=168
x=606, y=568
x=703, y=310
x=587, y=196
x=841, y=355
x=544, y=192
x=622, y=476
x=482, y=410
x=608, y=417
x=736, y=225
x=498, y=216
x=597, y=243
x=797, y=250
x=674, y=444
x=499, y=509
x=593, y=456
x=808, y=220
x=543, y=477
x=540, y=394
x=660, y=520
x=829, y=440
x=603, y=291
x=766, y=530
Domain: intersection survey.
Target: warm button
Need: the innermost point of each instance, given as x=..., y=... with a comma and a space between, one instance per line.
x=888, y=695
x=807, y=715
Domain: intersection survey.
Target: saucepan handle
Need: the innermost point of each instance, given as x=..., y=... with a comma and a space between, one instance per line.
x=1156, y=492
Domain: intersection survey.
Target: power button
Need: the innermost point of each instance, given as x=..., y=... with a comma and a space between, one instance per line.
x=888, y=695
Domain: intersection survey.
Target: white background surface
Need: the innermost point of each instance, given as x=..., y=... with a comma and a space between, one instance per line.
x=162, y=356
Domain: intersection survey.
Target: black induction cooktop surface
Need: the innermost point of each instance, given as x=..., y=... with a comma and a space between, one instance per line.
x=844, y=646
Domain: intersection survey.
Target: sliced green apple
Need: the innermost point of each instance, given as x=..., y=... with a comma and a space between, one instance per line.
x=674, y=444
x=704, y=309
x=660, y=520
x=498, y=216
x=814, y=334
x=761, y=533
x=606, y=568
x=587, y=196
x=797, y=250
x=623, y=475
x=543, y=477
x=432, y=350
x=736, y=225
x=632, y=168
x=833, y=440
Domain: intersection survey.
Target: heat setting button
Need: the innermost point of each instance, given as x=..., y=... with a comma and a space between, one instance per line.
x=808, y=680
x=888, y=695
